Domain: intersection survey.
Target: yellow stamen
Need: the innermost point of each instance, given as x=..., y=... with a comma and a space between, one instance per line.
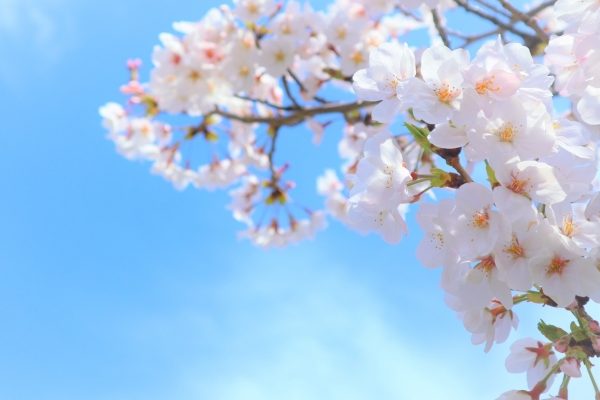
x=446, y=94
x=557, y=265
x=515, y=249
x=486, y=85
x=568, y=227
x=481, y=220
x=280, y=56
x=194, y=76
x=487, y=265
x=507, y=133
x=518, y=186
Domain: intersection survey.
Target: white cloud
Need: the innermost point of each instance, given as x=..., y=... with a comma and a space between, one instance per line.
x=297, y=326
x=34, y=34
x=294, y=332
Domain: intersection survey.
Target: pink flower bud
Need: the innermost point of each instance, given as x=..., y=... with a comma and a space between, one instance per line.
x=594, y=326
x=134, y=63
x=570, y=367
x=596, y=344
x=562, y=344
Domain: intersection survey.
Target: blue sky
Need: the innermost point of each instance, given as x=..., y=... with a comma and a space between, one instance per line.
x=114, y=286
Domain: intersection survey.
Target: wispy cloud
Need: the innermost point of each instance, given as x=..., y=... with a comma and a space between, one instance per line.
x=34, y=34
x=299, y=330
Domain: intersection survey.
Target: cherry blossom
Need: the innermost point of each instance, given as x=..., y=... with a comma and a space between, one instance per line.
x=494, y=133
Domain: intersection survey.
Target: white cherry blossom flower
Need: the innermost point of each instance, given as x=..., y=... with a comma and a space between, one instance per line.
x=435, y=247
x=436, y=97
x=561, y=273
x=390, y=66
x=253, y=10
x=277, y=55
x=531, y=356
x=477, y=226
x=515, y=395
x=589, y=106
x=533, y=179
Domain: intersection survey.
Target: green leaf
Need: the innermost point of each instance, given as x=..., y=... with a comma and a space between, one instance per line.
x=272, y=130
x=577, y=352
x=536, y=297
x=211, y=136
x=420, y=135
x=440, y=177
x=578, y=334
x=491, y=175
x=551, y=332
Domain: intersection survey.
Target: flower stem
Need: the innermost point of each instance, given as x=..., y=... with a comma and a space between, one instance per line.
x=588, y=366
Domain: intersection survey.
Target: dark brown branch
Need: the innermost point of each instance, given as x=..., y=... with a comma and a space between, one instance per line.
x=470, y=39
x=526, y=19
x=534, y=11
x=473, y=10
x=440, y=28
x=493, y=8
x=296, y=117
x=303, y=88
x=265, y=102
x=288, y=91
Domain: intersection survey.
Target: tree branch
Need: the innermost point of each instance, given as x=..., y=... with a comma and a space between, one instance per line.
x=473, y=10
x=526, y=19
x=296, y=117
x=440, y=28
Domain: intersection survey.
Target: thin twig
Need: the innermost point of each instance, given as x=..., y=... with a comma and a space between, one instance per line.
x=271, y=153
x=534, y=11
x=437, y=22
x=473, y=10
x=454, y=162
x=265, y=102
x=303, y=88
x=526, y=19
x=288, y=91
x=296, y=117
x=470, y=39
x=493, y=8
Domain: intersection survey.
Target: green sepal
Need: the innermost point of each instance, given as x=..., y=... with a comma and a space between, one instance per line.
x=211, y=136
x=272, y=130
x=577, y=352
x=420, y=135
x=491, y=175
x=440, y=178
x=578, y=334
x=551, y=332
x=536, y=297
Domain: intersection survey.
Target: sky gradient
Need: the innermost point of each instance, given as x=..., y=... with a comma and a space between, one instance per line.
x=114, y=286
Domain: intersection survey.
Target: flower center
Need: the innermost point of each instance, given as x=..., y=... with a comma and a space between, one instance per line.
x=568, y=227
x=280, y=56
x=486, y=85
x=341, y=33
x=518, y=186
x=357, y=57
x=542, y=352
x=487, y=265
x=446, y=93
x=194, y=76
x=481, y=219
x=515, y=249
x=252, y=8
x=244, y=71
x=507, y=133
x=557, y=265
x=438, y=240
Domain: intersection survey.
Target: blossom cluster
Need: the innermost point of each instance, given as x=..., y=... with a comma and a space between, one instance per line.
x=506, y=175
x=243, y=62
x=535, y=225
